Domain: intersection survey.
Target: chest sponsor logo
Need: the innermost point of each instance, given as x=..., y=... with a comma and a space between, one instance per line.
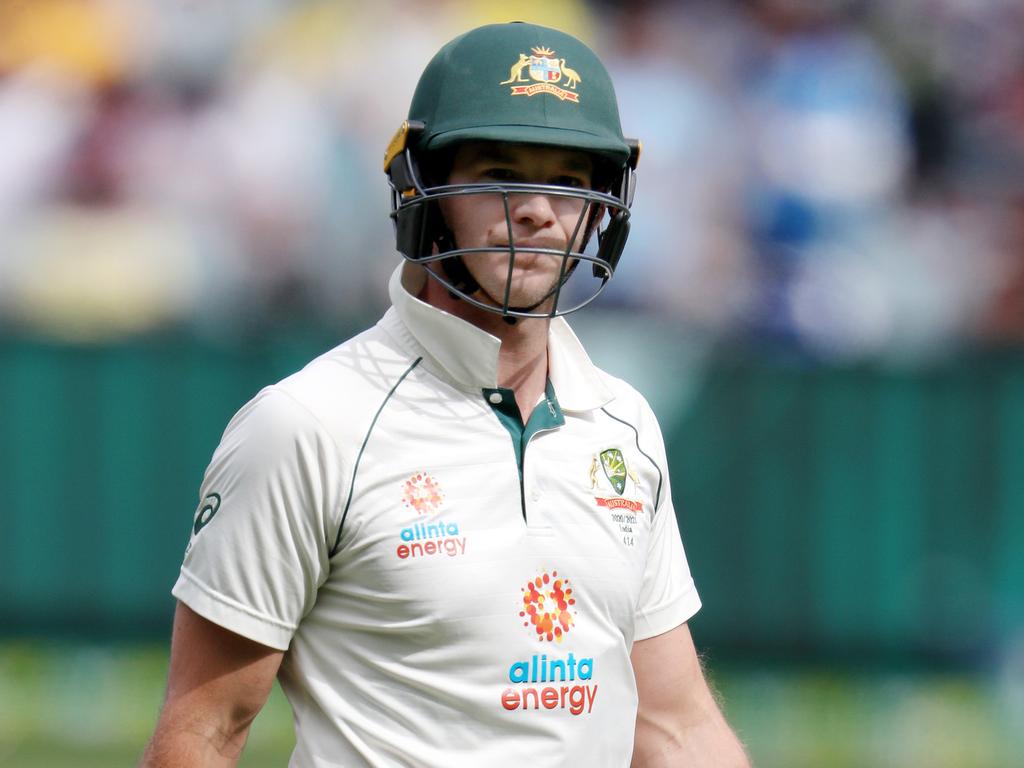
x=610, y=472
x=430, y=537
x=548, y=606
x=422, y=493
x=555, y=682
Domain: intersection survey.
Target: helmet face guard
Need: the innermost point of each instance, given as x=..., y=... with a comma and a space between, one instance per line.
x=423, y=236
x=520, y=84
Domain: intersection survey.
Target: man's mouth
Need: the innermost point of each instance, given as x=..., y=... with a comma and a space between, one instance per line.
x=532, y=245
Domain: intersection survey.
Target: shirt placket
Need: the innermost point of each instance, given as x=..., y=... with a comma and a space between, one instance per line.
x=547, y=416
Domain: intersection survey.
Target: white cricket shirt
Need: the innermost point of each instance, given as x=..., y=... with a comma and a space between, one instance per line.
x=452, y=588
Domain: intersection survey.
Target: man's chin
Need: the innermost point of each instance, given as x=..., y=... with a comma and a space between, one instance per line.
x=538, y=302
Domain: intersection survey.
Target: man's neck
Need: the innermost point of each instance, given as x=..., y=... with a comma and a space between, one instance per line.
x=523, y=359
x=523, y=356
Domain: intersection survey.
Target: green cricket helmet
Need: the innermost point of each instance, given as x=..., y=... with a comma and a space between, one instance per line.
x=523, y=84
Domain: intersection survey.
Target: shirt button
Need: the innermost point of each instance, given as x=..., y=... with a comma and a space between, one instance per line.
x=495, y=397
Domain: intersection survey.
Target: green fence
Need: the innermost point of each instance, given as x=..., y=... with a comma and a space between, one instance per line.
x=101, y=453
x=858, y=511
x=831, y=512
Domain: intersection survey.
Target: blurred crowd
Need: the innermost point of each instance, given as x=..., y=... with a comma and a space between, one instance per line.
x=842, y=176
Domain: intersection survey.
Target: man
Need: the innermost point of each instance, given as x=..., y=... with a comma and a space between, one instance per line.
x=452, y=537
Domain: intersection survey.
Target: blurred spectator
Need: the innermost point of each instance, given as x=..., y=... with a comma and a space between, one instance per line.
x=826, y=124
x=844, y=176
x=686, y=258
x=41, y=115
x=1004, y=321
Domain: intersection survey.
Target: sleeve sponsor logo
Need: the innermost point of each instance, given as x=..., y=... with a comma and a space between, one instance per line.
x=546, y=71
x=207, y=509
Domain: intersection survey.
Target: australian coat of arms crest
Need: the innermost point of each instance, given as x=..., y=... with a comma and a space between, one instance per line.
x=543, y=71
x=617, y=474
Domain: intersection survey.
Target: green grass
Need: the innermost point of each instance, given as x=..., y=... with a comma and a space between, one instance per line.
x=80, y=707
x=842, y=719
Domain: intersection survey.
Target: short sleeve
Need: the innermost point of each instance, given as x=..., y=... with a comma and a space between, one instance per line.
x=259, y=547
x=668, y=596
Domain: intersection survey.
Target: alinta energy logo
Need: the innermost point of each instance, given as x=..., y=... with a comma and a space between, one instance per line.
x=548, y=610
x=423, y=493
x=548, y=606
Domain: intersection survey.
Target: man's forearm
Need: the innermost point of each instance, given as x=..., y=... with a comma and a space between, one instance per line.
x=217, y=684
x=707, y=743
x=679, y=721
x=173, y=747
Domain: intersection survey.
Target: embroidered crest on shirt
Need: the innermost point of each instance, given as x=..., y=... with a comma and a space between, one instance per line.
x=619, y=477
x=610, y=472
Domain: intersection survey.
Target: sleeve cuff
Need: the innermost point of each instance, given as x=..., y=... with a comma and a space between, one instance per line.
x=669, y=616
x=230, y=614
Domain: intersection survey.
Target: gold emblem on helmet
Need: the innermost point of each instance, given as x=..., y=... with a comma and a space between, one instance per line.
x=548, y=71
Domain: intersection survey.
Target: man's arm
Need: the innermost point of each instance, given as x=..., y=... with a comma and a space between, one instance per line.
x=218, y=682
x=678, y=722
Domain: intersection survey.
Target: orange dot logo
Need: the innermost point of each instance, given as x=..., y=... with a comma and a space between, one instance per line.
x=422, y=493
x=548, y=606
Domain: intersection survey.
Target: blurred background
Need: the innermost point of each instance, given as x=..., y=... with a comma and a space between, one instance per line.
x=822, y=296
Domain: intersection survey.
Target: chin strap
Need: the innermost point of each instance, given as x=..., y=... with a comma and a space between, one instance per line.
x=459, y=276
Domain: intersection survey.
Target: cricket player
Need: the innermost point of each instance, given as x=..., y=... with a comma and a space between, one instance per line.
x=452, y=538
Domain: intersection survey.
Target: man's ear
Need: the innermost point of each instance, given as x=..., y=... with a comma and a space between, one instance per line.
x=594, y=218
x=612, y=241
x=436, y=167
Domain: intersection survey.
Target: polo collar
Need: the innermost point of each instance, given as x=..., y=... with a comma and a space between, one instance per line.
x=468, y=356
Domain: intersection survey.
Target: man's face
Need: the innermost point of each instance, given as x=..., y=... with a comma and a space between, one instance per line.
x=537, y=220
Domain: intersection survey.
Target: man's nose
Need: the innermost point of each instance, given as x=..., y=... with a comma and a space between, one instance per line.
x=534, y=209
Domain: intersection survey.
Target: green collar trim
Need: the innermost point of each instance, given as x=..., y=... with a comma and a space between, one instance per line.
x=547, y=414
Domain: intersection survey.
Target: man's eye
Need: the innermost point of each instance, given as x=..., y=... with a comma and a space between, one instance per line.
x=499, y=174
x=570, y=181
